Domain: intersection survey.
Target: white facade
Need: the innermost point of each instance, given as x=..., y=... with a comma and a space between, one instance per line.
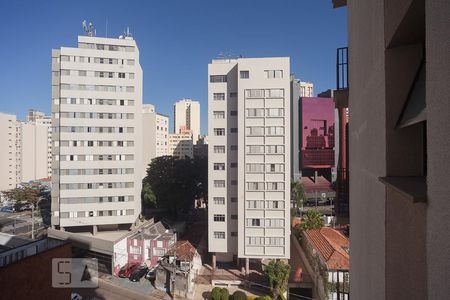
x=97, y=133
x=180, y=145
x=7, y=151
x=162, y=135
x=186, y=114
x=34, y=148
x=306, y=89
x=249, y=158
x=148, y=135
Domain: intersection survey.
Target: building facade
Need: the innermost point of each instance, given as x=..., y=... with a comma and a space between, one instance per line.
x=180, y=145
x=186, y=116
x=7, y=151
x=97, y=133
x=249, y=158
x=397, y=94
x=306, y=89
x=162, y=135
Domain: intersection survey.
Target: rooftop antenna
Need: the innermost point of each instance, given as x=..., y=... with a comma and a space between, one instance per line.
x=106, y=27
x=89, y=29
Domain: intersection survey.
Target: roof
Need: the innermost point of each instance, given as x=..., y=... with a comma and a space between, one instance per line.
x=322, y=184
x=332, y=246
x=152, y=231
x=183, y=250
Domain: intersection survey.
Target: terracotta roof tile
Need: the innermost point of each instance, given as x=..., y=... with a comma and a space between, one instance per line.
x=332, y=247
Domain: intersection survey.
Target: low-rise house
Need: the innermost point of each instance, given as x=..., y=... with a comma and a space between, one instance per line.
x=177, y=270
x=327, y=250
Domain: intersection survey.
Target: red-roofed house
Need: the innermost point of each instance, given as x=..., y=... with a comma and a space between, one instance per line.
x=329, y=248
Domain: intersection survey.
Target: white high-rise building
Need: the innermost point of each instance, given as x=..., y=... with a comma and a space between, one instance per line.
x=162, y=135
x=7, y=151
x=186, y=115
x=34, y=147
x=97, y=133
x=249, y=158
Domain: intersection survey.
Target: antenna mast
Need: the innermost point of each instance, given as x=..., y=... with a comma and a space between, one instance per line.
x=88, y=28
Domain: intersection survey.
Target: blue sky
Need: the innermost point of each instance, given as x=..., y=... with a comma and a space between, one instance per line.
x=176, y=38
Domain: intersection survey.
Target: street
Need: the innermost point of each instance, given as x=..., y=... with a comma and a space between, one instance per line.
x=19, y=223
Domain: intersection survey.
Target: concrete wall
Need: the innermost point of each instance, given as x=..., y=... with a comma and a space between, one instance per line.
x=438, y=127
x=367, y=146
x=148, y=135
x=7, y=151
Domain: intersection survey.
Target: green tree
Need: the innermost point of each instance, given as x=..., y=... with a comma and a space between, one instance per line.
x=298, y=193
x=176, y=183
x=312, y=219
x=148, y=197
x=278, y=272
x=26, y=195
x=224, y=294
x=239, y=295
x=216, y=293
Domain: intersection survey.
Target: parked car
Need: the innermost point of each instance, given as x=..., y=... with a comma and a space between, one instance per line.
x=151, y=274
x=138, y=273
x=128, y=269
x=6, y=209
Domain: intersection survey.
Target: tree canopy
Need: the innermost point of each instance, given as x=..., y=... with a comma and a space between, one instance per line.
x=174, y=184
x=312, y=219
x=277, y=272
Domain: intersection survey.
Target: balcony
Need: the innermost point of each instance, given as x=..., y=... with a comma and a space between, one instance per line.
x=341, y=93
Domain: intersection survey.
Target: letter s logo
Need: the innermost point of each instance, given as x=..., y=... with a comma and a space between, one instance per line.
x=65, y=275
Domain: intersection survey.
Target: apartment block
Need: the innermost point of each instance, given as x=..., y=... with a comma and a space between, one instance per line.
x=180, y=145
x=306, y=89
x=7, y=151
x=34, y=147
x=97, y=133
x=186, y=115
x=249, y=158
x=162, y=135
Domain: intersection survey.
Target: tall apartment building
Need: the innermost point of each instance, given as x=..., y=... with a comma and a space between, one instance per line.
x=186, y=116
x=97, y=133
x=162, y=135
x=249, y=158
x=180, y=145
x=155, y=134
x=394, y=79
x=7, y=151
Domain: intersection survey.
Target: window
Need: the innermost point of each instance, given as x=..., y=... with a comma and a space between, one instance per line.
x=276, y=241
x=255, y=186
x=274, y=73
x=159, y=252
x=218, y=78
x=219, y=114
x=255, y=204
x=274, y=223
x=219, y=96
x=122, y=102
x=275, y=93
x=254, y=93
x=82, y=73
x=255, y=112
x=244, y=74
x=91, y=214
x=254, y=222
x=219, y=183
x=135, y=250
x=275, y=149
x=219, y=131
x=121, y=75
x=233, y=95
x=274, y=112
x=254, y=149
x=90, y=143
x=274, y=130
x=254, y=130
x=219, y=166
x=219, y=235
x=275, y=168
x=219, y=149
x=275, y=204
x=275, y=186
x=219, y=218
x=255, y=240
x=219, y=200
x=254, y=168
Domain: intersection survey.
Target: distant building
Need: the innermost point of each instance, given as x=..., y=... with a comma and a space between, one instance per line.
x=306, y=89
x=162, y=135
x=201, y=148
x=155, y=134
x=186, y=116
x=181, y=145
x=8, y=157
